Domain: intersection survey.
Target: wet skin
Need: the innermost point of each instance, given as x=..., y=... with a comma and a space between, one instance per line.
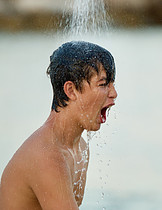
x=41, y=174
x=95, y=97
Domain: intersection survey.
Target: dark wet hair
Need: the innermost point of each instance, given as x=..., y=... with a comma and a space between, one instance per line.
x=73, y=61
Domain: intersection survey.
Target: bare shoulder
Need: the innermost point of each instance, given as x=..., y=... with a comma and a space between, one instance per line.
x=51, y=180
x=41, y=173
x=43, y=159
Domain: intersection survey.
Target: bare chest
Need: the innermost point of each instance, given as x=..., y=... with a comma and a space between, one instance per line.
x=79, y=177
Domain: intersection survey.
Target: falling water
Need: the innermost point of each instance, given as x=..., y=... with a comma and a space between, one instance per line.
x=87, y=16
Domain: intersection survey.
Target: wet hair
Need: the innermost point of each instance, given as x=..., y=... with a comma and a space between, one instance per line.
x=75, y=61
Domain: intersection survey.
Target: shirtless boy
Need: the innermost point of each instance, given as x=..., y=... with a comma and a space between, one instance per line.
x=48, y=171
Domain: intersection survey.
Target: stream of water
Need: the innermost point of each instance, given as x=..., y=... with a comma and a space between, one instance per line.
x=88, y=16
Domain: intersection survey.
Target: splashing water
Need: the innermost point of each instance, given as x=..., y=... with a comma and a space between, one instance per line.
x=87, y=16
x=84, y=159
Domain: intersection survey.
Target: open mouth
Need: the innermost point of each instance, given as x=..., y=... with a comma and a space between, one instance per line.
x=103, y=113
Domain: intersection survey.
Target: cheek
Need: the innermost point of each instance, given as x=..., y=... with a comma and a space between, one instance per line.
x=86, y=101
x=91, y=102
x=86, y=108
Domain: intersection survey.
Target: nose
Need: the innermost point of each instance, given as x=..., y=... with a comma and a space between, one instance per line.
x=112, y=91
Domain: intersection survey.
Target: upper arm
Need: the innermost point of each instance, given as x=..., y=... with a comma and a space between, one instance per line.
x=52, y=186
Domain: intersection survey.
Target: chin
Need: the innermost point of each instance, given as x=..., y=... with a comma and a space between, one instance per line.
x=94, y=127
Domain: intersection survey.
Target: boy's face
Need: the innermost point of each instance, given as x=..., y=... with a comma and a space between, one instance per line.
x=94, y=100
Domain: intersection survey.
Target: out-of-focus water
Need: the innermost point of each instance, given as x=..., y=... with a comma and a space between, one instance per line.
x=88, y=15
x=126, y=160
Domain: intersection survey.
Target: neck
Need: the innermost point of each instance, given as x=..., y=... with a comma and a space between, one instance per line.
x=64, y=127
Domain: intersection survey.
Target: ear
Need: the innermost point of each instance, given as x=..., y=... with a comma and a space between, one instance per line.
x=69, y=89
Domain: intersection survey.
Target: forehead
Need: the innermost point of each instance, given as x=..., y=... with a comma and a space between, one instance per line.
x=106, y=74
x=100, y=75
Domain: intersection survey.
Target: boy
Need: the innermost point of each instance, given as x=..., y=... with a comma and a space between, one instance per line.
x=49, y=170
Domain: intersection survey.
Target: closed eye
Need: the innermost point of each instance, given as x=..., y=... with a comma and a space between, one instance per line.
x=103, y=84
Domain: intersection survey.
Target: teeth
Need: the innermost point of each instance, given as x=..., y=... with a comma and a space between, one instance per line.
x=103, y=119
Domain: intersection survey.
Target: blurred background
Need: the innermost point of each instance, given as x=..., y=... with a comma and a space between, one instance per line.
x=18, y=15
x=126, y=160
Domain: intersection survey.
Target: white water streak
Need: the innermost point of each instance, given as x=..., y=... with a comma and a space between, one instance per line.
x=87, y=16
